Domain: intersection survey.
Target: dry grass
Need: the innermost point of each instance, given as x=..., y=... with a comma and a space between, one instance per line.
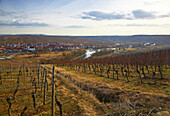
x=75, y=101
x=118, y=99
x=87, y=94
x=45, y=55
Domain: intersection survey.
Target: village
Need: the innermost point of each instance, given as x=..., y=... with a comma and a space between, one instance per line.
x=32, y=47
x=11, y=48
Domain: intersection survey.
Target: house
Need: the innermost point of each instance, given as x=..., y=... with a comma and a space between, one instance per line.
x=31, y=48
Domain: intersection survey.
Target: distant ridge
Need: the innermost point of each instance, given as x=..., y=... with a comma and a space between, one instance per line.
x=88, y=40
x=92, y=35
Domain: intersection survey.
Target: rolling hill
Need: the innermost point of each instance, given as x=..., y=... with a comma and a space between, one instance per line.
x=87, y=40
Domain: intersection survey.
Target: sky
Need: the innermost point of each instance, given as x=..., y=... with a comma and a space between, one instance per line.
x=85, y=17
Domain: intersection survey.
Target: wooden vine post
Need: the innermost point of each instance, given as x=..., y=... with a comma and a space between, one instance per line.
x=53, y=95
x=45, y=81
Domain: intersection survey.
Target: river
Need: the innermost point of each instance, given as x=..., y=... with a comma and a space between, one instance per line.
x=89, y=52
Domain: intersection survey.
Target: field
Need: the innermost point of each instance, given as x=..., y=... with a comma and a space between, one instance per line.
x=86, y=87
x=45, y=56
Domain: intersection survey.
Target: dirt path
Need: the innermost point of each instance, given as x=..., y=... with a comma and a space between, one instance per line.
x=75, y=100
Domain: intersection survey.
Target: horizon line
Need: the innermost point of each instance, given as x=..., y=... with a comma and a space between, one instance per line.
x=86, y=35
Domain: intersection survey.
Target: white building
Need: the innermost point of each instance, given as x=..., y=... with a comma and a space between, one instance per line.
x=31, y=48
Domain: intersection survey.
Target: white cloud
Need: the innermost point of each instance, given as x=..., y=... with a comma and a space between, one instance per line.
x=19, y=23
x=74, y=26
x=135, y=14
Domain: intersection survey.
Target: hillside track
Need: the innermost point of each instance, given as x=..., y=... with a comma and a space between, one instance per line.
x=75, y=101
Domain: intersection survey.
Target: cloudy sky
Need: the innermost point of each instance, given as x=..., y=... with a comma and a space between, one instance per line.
x=85, y=17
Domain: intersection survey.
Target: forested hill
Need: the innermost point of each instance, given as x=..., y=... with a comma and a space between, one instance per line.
x=88, y=40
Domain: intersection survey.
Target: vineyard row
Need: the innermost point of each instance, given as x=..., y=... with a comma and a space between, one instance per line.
x=147, y=65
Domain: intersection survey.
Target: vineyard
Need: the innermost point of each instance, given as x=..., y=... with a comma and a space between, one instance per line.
x=25, y=89
x=150, y=66
x=133, y=84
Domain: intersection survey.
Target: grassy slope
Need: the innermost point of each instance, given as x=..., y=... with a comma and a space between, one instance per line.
x=75, y=101
x=146, y=97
